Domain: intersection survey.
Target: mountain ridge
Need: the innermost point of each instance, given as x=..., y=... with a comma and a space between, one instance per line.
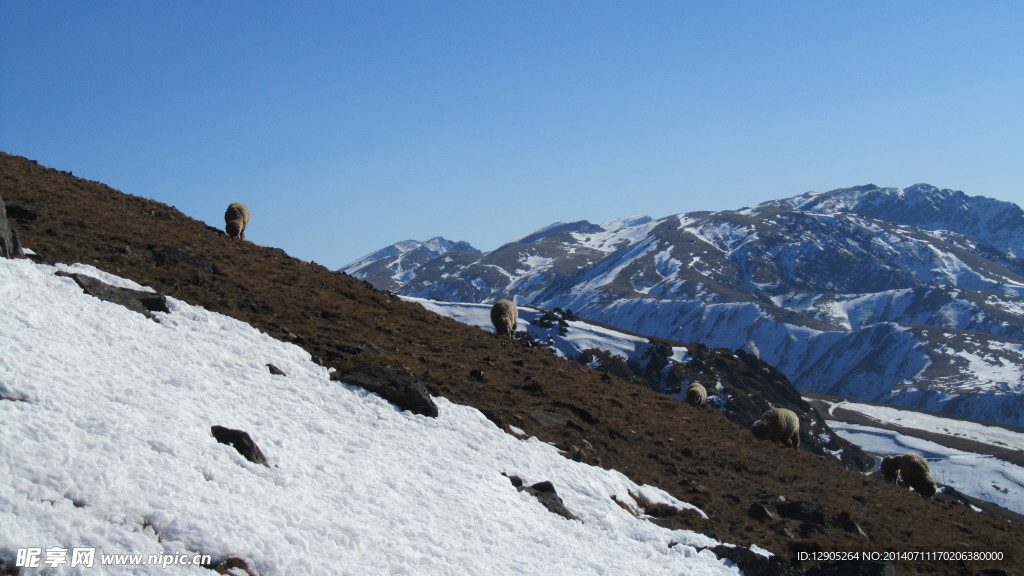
x=795, y=281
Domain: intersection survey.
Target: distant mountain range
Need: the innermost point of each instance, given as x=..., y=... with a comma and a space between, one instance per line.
x=906, y=296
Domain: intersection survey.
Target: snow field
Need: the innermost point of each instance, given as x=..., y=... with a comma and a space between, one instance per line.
x=992, y=435
x=978, y=475
x=106, y=443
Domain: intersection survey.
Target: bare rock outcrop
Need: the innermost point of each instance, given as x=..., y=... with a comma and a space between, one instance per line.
x=10, y=246
x=401, y=389
x=139, y=301
x=241, y=441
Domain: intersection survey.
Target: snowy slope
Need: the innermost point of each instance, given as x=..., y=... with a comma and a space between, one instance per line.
x=106, y=444
x=908, y=296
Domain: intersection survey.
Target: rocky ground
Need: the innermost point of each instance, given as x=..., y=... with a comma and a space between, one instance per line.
x=782, y=500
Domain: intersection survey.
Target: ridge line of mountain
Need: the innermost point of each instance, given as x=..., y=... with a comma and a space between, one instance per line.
x=908, y=296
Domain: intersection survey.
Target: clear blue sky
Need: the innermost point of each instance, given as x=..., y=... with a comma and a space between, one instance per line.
x=347, y=126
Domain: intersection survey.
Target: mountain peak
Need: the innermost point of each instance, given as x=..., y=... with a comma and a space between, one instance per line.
x=993, y=222
x=620, y=223
x=559, y=228
x=394, y=265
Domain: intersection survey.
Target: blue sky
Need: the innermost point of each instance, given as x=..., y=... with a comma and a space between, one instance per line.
x=347, y=126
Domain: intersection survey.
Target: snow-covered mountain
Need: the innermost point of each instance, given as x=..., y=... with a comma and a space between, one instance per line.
x=396, y=264
x=108, y=461
x=905, y=296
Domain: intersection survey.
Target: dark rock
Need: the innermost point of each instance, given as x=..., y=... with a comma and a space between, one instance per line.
x=534, y=388
x=549, y=418
x=21, y=213
x=402, y=390
x=759, y=511
x=754, y=564
x=10, y=246
x=581, y=413
x=545, y=493
x=493, y=417
x=477, y=375
x=808, y=512
x=584, y=453
x=547, y=487
x=174, y=255
x=275, y=370
x=135, y=300
x=554, y=420
x=846, y=522
x=860, y=568
x=241, y=441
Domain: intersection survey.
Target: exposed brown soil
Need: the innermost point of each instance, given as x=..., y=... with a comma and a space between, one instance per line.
x=697, y=455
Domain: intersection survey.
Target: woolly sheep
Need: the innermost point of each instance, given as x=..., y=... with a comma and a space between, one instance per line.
x=909, y=471
x=504, y=315
x=236, y=219
x=696, y=394
x=890, y=469
x=778, y=425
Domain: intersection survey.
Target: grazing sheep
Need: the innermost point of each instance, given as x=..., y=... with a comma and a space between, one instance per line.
x=890, y=469
x=778, y=425
x=696, y=394
x=236, y=219
x=504, y=315
x=909, y=471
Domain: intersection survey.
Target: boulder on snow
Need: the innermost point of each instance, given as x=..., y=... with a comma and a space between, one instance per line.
x=10, y=246
x=135, y=300
x=241, y=441
x=545, y=493
x=401, y=389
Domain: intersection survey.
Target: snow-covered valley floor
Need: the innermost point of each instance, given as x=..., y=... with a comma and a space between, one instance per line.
x=976, y=472
x=106, y=445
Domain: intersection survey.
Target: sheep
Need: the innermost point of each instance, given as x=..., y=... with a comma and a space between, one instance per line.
x=890, y=469
x=504, y=315
x=909, y=471
x=696, y=394
x=236, y=219
x=778, y=425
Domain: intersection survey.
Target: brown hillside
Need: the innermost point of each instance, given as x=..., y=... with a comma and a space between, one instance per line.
x=697, y=455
